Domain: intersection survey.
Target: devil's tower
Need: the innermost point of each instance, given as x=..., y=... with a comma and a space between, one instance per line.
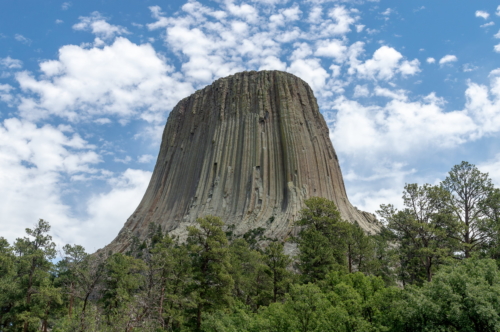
x=250, y=148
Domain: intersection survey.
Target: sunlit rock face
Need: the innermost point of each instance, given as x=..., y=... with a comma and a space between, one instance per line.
x=249, y=148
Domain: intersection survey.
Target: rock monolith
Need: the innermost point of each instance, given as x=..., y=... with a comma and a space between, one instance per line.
x=249, y=148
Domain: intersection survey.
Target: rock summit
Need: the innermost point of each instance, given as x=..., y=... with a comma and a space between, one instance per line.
x=249, y=148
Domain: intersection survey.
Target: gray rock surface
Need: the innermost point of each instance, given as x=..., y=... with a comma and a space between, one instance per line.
x=249, y=148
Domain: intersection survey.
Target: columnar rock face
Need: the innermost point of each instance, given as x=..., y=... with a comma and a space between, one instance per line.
x=250, y=148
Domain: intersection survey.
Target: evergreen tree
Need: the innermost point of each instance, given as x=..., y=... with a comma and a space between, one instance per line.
x=322, y=240
x=8, y=285
x=491, y=226
x=252, y=285
x=212, y=283
x=278, y=262
x=462, y=297
x=425, y=230
x=169, y=269
x=122, y=280
x=36, y=292
x=469, y=189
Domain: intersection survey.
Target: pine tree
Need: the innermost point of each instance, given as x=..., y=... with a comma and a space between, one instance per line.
x=212, y=283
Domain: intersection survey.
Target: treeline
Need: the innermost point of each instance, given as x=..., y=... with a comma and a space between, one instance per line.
x=432, y=267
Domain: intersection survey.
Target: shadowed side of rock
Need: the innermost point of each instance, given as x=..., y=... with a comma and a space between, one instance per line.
x=249, y=148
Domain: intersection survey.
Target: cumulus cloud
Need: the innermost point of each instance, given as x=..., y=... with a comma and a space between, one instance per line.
x=489, y=24
x=145, y=158
x=361, y=91
x=116, y=79
x=399, y=127
x=482, y=14
x=492, y=167
x=124, y=80
x=5, y=94
x=385, y=63
x=34, y=160
x=239, y=37
x=483, y=104
x=97, y=24
x=10, y=63
x=448, y=59
x=333, y=48
x=108, y=211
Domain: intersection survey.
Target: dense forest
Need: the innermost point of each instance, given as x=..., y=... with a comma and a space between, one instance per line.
x=432, y=267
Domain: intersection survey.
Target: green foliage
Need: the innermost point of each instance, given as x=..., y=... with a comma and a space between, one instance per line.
x=326, y=242
x=411, y=276
x=462, y=297
x=469, y=189
x=491, y=225
x=211, y=282
x=322, y=239
x=425, y=230
x=277, y=268
x=123, y=280
x=252, y=284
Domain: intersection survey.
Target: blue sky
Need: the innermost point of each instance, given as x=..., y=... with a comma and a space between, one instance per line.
x=408, y=89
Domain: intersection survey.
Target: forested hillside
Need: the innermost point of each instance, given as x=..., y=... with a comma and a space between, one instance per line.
x=432, y=267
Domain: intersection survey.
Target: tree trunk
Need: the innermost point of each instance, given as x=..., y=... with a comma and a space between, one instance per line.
x=198, y=318
x=428, y=269
x=160, y=311
x=71, y=299
x=349, y=257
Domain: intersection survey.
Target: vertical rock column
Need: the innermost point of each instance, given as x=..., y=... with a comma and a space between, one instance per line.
x=249, y=148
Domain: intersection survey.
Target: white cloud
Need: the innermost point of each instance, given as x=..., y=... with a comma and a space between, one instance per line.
x=385, y=63
x=66, y=5
x=431, y=60
x=468, y=68
x=387, y=12
x=97, y=24
x=245, y=11
x=5, y=94
x=108, y=211
x=10, y=63
x=342, y=19
x=492, y=167
x=59, y=21
x=34, y=161
x=448, y=59
x=483, y=14
x=361, y=91
x=497, y=48
x=124, y=80
x=483, y=104
x=403, y=128
x=145, y=158
x=125, y=160
x=489, y=24
x=334, y=48
x=285, y=16
x=498, y=11
x=396, y=95
x=398, y=128
x=311, y=71
x=497, y=35
x=22, y=39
